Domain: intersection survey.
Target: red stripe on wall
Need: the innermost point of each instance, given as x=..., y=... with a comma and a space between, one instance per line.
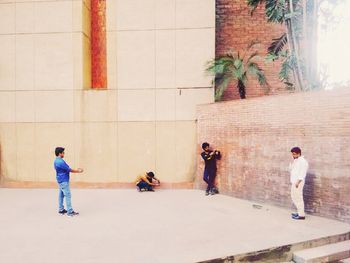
x=98, y=44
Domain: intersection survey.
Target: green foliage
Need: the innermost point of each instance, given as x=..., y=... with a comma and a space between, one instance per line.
x=293, y=14
x=301, y=19
x=233, y=67
x=287, y=67
x=254, y=4
x=275, y=10
x=271, y=57
x=278, y=44
x=255, y=70
x=286, y=70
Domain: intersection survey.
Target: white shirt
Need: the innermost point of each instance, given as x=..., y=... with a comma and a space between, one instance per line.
x=298, y=169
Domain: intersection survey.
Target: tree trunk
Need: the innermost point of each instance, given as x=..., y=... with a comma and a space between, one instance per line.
x=294, y=49
x=310, y=28
x=306, y=39
x=296, y=77
x=313, y=44
x=241, y=89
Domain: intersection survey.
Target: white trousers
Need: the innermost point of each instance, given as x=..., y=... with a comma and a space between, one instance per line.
x=297, y=198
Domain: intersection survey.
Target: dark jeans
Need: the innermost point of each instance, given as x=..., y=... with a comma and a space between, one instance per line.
x=144, y=185
x=209, y=178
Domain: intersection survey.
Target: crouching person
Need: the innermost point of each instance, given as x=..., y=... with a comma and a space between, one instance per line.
x=146, y=182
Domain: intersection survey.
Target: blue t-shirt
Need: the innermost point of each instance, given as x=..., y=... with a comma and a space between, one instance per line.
x=62, y=170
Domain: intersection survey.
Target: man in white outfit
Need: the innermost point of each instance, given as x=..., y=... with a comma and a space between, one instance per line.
x=298, y=170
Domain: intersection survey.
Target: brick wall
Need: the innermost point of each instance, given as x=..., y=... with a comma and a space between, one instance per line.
x=256, y=135
x=235, y=30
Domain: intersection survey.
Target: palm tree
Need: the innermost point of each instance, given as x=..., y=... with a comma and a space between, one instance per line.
x=234, y=68
x=283, y=11
x=300, y=20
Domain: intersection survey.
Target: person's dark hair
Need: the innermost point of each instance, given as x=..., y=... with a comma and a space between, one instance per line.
x=205, y=145
x=296, y=150
x=59, y=150
x=150, y=174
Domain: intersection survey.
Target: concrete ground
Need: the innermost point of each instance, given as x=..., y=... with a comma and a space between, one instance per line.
x=128, y=226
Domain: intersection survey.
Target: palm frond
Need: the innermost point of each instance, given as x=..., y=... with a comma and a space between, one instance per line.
x=244, y=78
x=250, y=46
x=254, y=4
x=239, y=70
x=220, y=89
x=232, y=67
x=278, y=44
x=220, y=79
x=257, y=72
x=275, y=10
x=285, y=71
x=220, y=65
x=270, y=57
x=253, y=55
x=238, y=63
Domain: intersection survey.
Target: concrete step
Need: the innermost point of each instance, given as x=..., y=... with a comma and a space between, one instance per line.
x=347, y=260
x=326, y=253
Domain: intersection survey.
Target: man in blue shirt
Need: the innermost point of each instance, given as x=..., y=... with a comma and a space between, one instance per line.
x=62, y=176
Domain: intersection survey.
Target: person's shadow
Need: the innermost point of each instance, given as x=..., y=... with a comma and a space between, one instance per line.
x=312, y=193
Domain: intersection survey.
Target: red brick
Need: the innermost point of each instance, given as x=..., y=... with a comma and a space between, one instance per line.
x=255, y=137
x=235, y=29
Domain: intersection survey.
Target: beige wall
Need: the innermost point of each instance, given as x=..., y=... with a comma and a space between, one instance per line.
x=145, y=120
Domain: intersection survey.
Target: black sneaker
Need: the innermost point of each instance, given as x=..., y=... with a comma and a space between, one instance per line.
x=73, y=213
x=62, y=212
x=294, y=214
x=298, y=217
x=206, y=192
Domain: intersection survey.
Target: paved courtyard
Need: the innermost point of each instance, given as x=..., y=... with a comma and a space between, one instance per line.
x=128, y=226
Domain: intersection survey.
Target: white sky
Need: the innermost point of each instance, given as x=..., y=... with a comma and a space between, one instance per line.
x=334, y=46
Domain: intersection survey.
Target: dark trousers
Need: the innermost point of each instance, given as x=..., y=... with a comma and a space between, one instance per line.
x=144, y=185
x=209, y=178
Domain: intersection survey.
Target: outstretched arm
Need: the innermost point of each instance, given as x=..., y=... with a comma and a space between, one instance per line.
x=78, y=170
x=63, y=165
x=158, y=181
x=144, y=178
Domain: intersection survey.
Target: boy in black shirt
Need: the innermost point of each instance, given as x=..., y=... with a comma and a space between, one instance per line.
x=210, y=158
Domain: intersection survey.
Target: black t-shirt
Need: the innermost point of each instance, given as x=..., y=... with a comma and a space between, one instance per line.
x=210, y=160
